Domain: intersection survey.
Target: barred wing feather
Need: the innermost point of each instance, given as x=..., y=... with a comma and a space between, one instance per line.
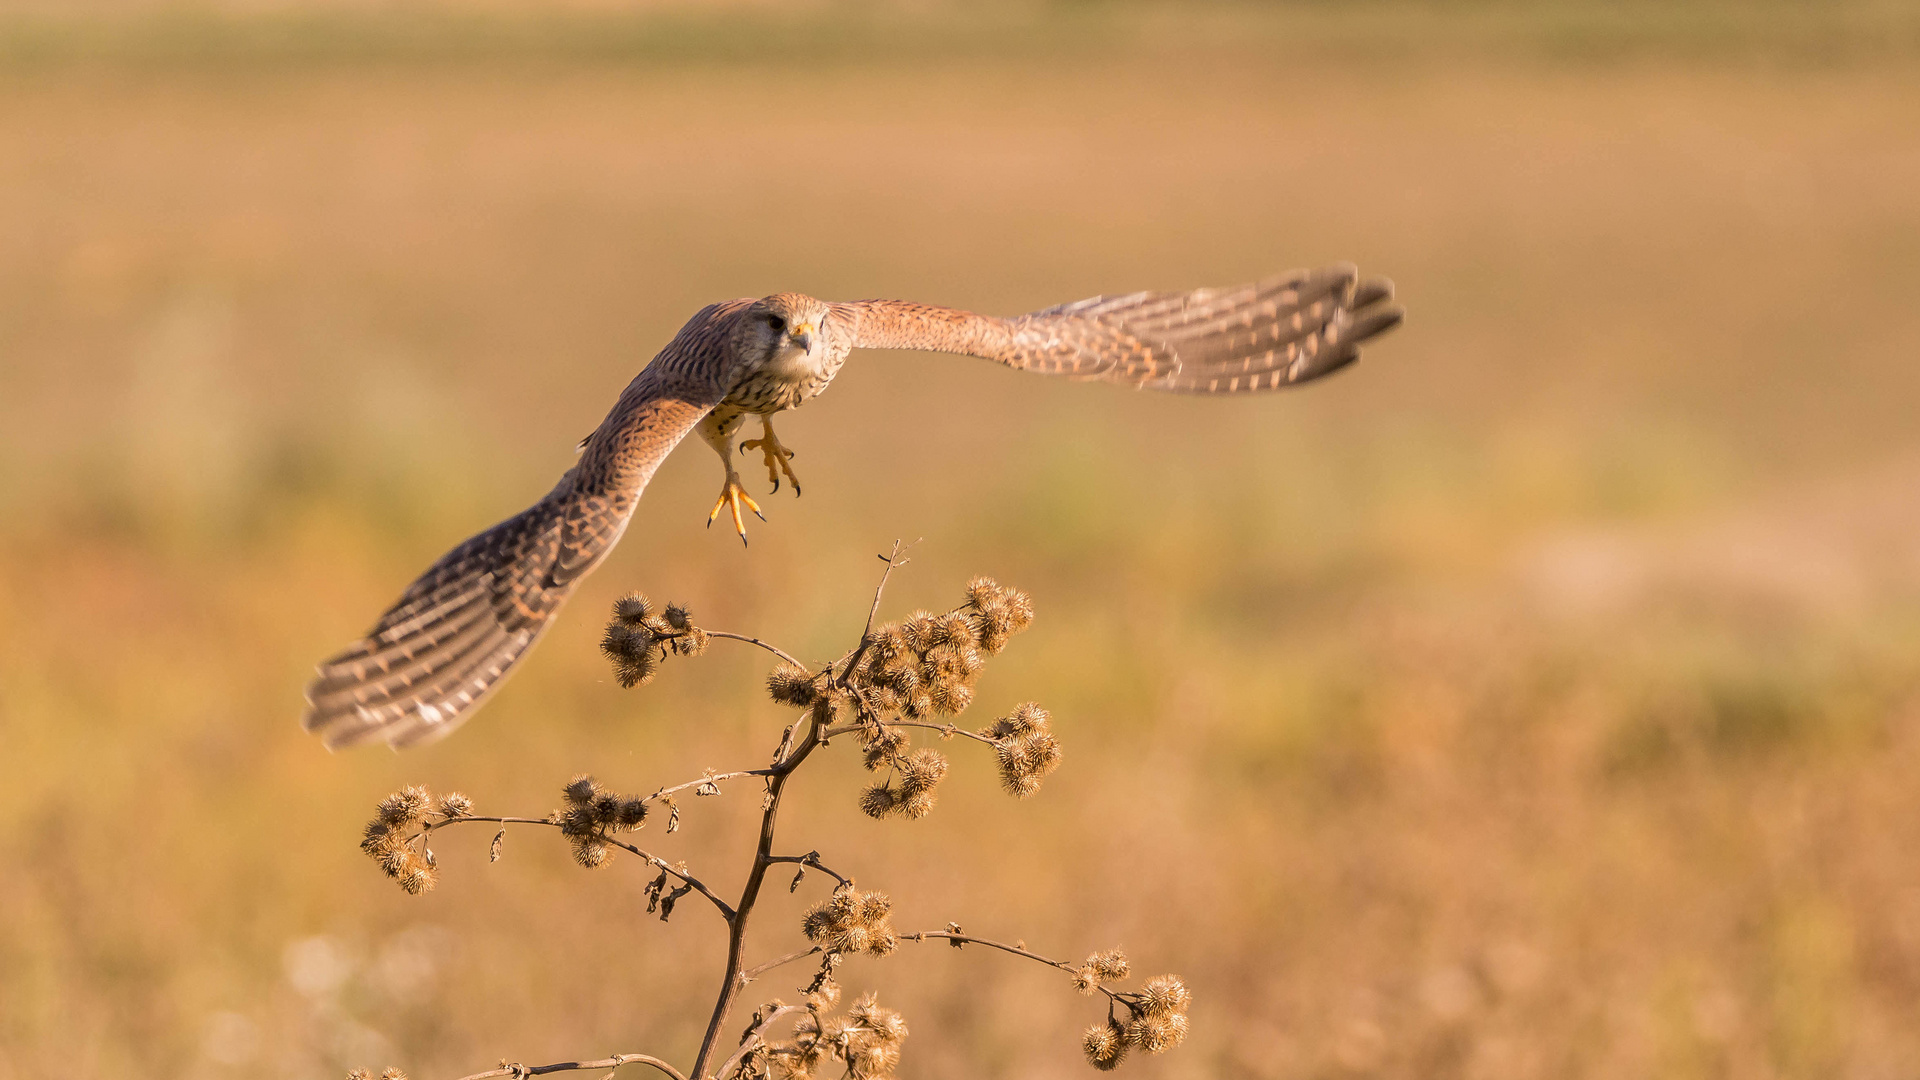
x=1279, y=331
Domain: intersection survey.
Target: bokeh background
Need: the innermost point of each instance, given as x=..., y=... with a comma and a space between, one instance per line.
x=1540, y=698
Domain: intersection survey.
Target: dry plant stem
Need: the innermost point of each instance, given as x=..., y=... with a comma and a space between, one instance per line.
x=750, y=894
x=968, y=939
x=763, y=856
x=714, y=779
x=432, y=825
x=651, y=859
x=775, y=650
x=753, y=1038
x=758, y=970
x=811, y=860
x=568, y=1066
x=944, y=729
x=695, y=883
x=894, y=562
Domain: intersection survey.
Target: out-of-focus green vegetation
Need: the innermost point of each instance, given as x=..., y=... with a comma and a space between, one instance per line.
x=1537, y=699
x=812, y=35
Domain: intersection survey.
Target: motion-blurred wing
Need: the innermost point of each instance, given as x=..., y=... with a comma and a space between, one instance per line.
x=463, y=626
x=1276, y=332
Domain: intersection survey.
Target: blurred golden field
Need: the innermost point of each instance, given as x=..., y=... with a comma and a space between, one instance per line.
x=1540, y=698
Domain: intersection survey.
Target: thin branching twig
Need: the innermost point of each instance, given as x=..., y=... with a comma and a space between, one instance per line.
x=518, y=1071
x=782, y=654
x=894, y=680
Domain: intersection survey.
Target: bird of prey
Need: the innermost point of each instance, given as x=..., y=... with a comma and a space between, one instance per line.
x=460, y=629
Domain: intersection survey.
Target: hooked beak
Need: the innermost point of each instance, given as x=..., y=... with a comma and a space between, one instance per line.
x=803, y=337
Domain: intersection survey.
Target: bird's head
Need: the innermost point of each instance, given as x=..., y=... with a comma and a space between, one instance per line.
x=783, y=329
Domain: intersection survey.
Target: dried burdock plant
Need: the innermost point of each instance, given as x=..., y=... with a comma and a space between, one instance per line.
x=913, y=675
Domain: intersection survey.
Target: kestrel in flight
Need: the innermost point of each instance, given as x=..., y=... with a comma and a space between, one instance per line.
x=460, y=629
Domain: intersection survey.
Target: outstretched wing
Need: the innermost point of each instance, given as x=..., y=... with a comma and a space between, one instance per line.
x=1272, y=333
x=461, y=628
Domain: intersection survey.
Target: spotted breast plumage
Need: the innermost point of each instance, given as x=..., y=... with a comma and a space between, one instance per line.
x=462, y=627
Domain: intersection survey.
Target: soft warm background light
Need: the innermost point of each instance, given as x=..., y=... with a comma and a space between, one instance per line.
x=1540, y=698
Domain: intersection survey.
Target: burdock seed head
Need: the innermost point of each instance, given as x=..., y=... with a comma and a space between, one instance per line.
x=919, y=705
x=1156, y=1034
x=879, y=800
x=634, y=652
x=1164, y=995
x=922, y=771
x=1025, y=760
x=406, y=806
x=872, y=1060
x=901, y=675
x=872, y=1038
x=1105, y=1045
x=591, y=851
x=872, y=907
x=1000, y=612
x=945, y=663
x=850, y=939
x=949, y=671
x=889, y=640
x=693, y=642
x=874, y=735
x=983, y=592
x=950, y=698
x=1023, y=720
x=633, y=609
x=386, y=842
x=833, y=1029
x=817, y=923
x=581, y=790
x=578, y=820
x=918, y=804
x=920, y=631
x=625, y=643
x=851, y=922
x=790, y=685
x=888, y=1024
x=955, y=629
x=631, y=813
x=882, y=940
x=418, y=879
x=886, y=701
x=992, y=638
x=1019, y=606
x=378, y=839
x=1111, y=965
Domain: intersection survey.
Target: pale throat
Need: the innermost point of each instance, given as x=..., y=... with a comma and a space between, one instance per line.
x=791, y=360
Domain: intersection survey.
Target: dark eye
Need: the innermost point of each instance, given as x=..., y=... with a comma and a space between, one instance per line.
x=779, y=324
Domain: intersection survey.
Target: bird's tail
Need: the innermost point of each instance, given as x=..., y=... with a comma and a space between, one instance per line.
x=453, y=638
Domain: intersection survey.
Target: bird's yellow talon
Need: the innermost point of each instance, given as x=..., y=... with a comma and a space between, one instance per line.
x=778, y=459
x=731, y=496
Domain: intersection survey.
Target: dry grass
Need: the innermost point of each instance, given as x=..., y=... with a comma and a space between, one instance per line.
x=1538, y=699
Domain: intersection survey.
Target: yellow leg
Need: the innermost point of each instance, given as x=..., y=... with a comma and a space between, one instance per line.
x=717, y=431
x=779, y=459
x=731, y=496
